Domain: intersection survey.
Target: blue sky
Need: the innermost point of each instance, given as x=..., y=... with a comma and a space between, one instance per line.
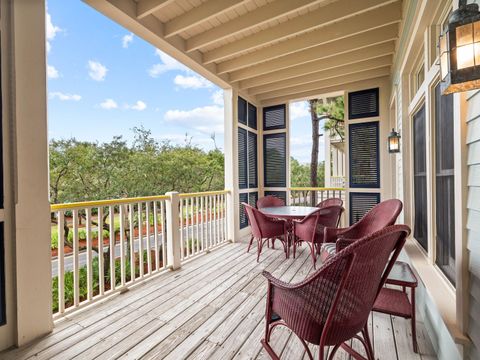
x=103, y=81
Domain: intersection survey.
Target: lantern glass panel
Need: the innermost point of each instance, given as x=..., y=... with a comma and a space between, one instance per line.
x=477, y=53
x=464, y=35
x=465, y=56
x=444, y=65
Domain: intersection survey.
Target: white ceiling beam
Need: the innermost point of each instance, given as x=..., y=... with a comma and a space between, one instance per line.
x=330, y=34
x=150, y=29
x=326, y=83
x=325, y=19
x=346, y=45
x=199, y=14
x=321, y=64
x=359, y=66
x=312, y=94
x=148, y=7
x=260, y=16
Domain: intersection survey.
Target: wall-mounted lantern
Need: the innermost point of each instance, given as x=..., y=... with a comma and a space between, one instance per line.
x=394, y=142
x=459, y=47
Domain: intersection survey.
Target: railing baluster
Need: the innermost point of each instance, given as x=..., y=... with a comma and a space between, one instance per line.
x=155, y=235
x=111, y=215
x=147, y=233
x=61, y=261
x=164, y=234
x=201, y=223
x=140, y=240
x=101, y=270
x=214, y=220
x=89, y=254
x=131, y=211
x=182, y=245
x=122, y=245
x=197, y=225
x=76, y=270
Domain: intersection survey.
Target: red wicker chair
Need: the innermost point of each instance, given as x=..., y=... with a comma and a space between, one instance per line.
x=382, y=215
x=332, y=305
x=311, y=228
x=330, y=202
x=269, y=201
x=264, y=228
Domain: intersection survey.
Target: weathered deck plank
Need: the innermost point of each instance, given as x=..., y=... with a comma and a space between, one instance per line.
x=212, y=308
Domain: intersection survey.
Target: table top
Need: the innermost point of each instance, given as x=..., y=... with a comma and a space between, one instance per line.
x=288, y=212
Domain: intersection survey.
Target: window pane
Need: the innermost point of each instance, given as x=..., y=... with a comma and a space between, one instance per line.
x=444, y=179
x=420, y=178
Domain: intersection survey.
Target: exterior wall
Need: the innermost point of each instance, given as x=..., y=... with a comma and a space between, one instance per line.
x=473, y=223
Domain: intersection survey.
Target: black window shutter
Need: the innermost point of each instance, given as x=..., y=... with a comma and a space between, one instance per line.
x=242, y=111
x=364, y=155
x=274, y=117
x=242, y=159
x=275, y=160
x=361, y=203
x=252, y=116
x=243, y=215
x=252, y=199
x=363, y=104
x=252, y=160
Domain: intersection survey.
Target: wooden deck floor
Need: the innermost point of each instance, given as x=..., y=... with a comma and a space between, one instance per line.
x=212, y=308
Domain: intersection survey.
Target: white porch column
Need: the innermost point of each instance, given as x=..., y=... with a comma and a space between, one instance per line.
x=173, y=231
x=231, y=164
x=328, y=163
x=32, y=210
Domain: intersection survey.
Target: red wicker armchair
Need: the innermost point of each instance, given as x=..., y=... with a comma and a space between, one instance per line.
x=269, y=201
x=311, y=228
x=264, y=228
x=332, y=305
x=382, y=215
x=330, y=202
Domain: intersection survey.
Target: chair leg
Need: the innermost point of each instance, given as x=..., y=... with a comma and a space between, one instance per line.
x=313, y=254
x=368, y=343
x=414, y=321
x=259, y=248
x=250, y=244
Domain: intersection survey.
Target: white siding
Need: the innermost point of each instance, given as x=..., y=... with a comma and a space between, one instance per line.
x=473, y=221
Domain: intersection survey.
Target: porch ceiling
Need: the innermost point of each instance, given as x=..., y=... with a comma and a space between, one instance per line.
x=272, y=50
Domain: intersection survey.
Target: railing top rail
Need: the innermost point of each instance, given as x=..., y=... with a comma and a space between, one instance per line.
x=206, y=193
x=89, y=204
x=315, y=189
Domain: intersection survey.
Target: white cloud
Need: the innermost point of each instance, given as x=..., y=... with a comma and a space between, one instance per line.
x=217, y=97
x=52, y=72
x=206, y=119
x=168, y=63
x=299, y=109
x=192, y=82
x=51, y=30
x=126, y=40
x=139, y=106
x=64, y=97
x=109, y=104
x=97, y=71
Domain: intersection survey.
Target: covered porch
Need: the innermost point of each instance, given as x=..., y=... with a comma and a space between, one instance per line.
x=196, y=293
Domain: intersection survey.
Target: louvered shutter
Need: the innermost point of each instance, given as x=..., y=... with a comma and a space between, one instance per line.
x=363, y=104
x=252, y=160
x=252, y=116
x=364, y=155
x=243, y=198
x=252, y=199
x=361, y=203
x=242, y=111
x=3, y=311
x=274, y=117
x=242, y=159
x=275, y=160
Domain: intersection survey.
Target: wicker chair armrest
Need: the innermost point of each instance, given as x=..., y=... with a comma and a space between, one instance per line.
x=330, y=235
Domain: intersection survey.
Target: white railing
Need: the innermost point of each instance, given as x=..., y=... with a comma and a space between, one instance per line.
x=203, y=222
x=310, y=196
x=105, y=246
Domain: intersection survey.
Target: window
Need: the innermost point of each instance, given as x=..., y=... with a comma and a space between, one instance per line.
x=420, y=178
x=444, y=181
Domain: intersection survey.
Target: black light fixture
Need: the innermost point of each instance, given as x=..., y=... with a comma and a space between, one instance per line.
x=394, y=142
x=459, y=46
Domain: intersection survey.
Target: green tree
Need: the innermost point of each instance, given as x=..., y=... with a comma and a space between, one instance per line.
x=334, y=112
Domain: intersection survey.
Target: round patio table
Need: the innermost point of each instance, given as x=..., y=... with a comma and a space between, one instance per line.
x=288, y=213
